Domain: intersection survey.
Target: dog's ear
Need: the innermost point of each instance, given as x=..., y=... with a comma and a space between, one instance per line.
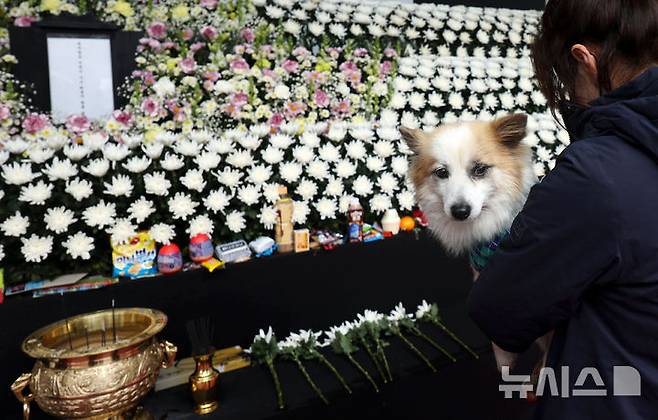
x=413, y=137
x=511, y=129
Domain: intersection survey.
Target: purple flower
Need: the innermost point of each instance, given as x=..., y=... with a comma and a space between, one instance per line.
x=239, y=99
x=209, y=32
x=34, y=123
x=295, y=108
x=390, y=53
x=188, y=65
x=5, y=112
x=208, y=4
x=24, y=21
x=157, y=30
x=78, y=123
x=320, y=98
x=248, y=35
x=276, y=120
x=342, y=107
x=290, y=66
x=239, y=65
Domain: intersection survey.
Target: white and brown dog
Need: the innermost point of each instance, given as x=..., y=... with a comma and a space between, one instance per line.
x=471, y=181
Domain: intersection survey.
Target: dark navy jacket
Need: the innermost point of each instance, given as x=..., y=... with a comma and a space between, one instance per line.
x=582, y=259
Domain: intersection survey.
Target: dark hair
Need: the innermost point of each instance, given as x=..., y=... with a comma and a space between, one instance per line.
x=624, y=32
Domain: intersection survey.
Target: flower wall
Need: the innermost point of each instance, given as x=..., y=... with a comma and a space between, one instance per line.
x=231, y=99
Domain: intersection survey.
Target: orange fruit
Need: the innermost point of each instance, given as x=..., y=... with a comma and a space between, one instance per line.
x=407, y=223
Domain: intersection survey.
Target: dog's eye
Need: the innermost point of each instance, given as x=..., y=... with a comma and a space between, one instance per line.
x=480, y=170
x=441, y=173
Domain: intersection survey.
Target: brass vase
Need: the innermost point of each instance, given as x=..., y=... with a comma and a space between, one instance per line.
x=203, y=384
x=94, y=366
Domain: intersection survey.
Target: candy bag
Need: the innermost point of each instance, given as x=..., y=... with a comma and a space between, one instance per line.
x=136, y=258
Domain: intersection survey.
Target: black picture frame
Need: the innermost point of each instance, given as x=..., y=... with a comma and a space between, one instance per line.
x=30, y=46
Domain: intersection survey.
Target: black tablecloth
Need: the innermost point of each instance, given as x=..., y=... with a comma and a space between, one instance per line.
x=290, y=292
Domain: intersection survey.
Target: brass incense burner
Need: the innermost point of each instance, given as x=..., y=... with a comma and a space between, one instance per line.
x=94, y=366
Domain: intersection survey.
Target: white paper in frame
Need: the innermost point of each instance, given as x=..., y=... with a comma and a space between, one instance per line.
x=80, y=74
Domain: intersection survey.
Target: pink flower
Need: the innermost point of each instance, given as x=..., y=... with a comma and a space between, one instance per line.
x=209, y=32
x=188, y=65
x=150, y=107
x=334, y=52
x=360, y=52
x=239, y=99
x=270, y=73
x=348, y=66
x=276, y=119
x=78, y=123
x=231, y=109
x=320, y=98
x=248, y=35
x=300, y=52
x=354, y=77
x=213, y=76
x=384, y=69
x=196, y=47
x=295, y=108
x=315, y=76
x=157, y=30
x=5, y=112
x=290, y=66
x=169, y=45
x=239, y=49
x=239, y=65
x=24, y=21
x=187, y=34
x=34, y=123
x=123, y=117
x=390, y=53
x=208, y=4
x=342, y=107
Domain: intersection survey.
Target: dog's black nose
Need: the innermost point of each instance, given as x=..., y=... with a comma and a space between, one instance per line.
x=460, y=211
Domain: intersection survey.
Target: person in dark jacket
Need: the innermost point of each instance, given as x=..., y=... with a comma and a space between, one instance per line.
x=582, y=256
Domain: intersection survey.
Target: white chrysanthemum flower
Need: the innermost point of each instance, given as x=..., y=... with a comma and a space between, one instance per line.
x=193, y=180
x=182, y=206
x=329, y=153
x=153, y=150
x=4, y=156
x=40, y=155
x=141, y=209
x=172, y=162
x=375, y=163
x=217, y=200
x=307, y=189
x=380, y=203
x=18, y=174
x=15, y=225
x=303, y=154
x=387, y=183
x=115, y=152
x=240, y=159
x=97, y=167
x=334, y=187
x=345, y=168
x=310, y=139
x=362, y=186
x=272, y=155
x=326, y=208
x=417, y=101
x=122, y=231
x=338, y=30
x=36, y=194
x=316, y=28
x=201, y=224
x=100, y=215
x=59, y=219
x=318, y=169
x=162, y=233
x=79, y=245
x=271, y=192
x=356, y=150
x=538, y=98
x=506, y=100
x=137, y=165
x=207, y=160
x=338, y=131
x=406, y=200
x=259, y=174
x=398, y=100
x=300, y=212
x=268, y=217
x=79, y=188
x=36, y=248
x=384, y=148
x=249, y=194
x=540, y=169
x=16, y=146
x=563, y=137
x=235, y=221
x=229, y=177
x=157, y=184
x=290, y=171
x=121, y=185
x=164, y=87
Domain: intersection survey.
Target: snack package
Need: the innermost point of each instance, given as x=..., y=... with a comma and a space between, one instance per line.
x=136, y=258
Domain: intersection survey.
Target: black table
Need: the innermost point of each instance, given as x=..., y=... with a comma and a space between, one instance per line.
x=291, y=292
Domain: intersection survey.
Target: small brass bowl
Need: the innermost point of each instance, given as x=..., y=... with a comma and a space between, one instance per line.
x=96, y=365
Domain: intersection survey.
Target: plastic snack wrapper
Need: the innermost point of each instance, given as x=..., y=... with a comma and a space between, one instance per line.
x=136, y=258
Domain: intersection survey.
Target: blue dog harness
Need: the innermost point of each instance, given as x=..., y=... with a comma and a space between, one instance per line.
x=482, y=252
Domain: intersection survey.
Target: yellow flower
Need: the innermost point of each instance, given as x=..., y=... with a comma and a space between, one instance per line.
x=8, y=58
x=180, y=13
x=51, y=6
x=151, y=135
x=187, y=126
x=172, y=63
x=358, y=119
x=322, y=66
x=123, y=8
x=112, y=125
